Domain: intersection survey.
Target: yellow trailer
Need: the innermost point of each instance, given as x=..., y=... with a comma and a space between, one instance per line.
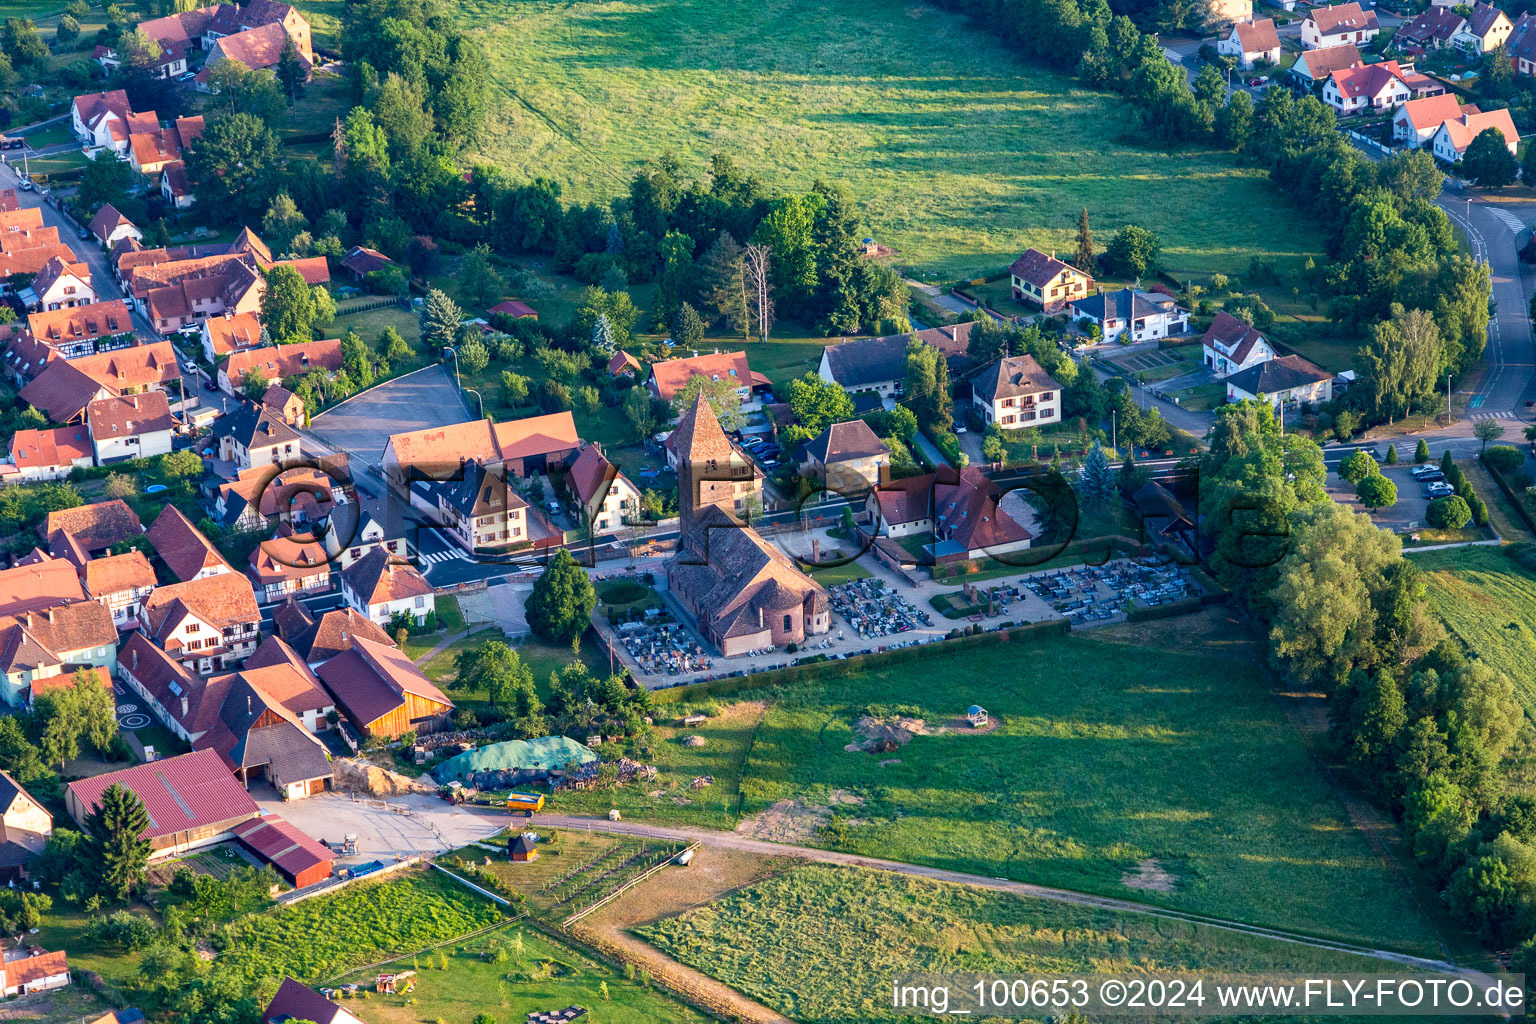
x=529, y=802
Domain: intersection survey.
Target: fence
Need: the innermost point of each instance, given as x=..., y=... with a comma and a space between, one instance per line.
x=363, y=305
x=464, y=881
x=624, y=888
x=336, y=883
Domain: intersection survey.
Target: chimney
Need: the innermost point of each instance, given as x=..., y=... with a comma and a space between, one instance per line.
x=183, y=704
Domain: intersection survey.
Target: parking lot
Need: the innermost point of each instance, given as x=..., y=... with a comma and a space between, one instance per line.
x=361, y=426
x=386, y=827
x=1407, y=514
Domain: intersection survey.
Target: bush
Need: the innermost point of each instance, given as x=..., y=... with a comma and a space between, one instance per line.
x=1505, y=458
x=1358, y=466
x=1451, y=513
x=1376, y=491
x=1421, y=453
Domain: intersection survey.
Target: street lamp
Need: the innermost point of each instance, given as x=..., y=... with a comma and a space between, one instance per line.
x=460, y=381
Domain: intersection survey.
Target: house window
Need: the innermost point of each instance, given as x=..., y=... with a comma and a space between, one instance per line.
x=193, y=627
x=786, y=623
x=421, y=602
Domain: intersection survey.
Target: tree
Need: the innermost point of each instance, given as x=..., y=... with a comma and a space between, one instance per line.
x=928, y=393
x=254, y=384
x=394, y=346
x=232, y=165
x=602, y=335
x=817, y=403
x=472, y=355
x=759, y=265
x=104, y=179
x=325, y=306
x=1487, y=430
x=723, y=284
x=688, y=327
x=1097, y=479
x=493, y=667
x=287, y=306
x=242, y=90
x=120, y=485
x=1421, y=452
x=290, y=70
x=1528, y=165
x=182, y=465
x=479, y=283
x=440, y=318
x=1449, y=513
x=1391, y=459
x=1376, y=491
x=1488, y=161
x=1084, y=260
x=1358, y=466
x=560, y=607
x=23, y=44
x=1498, y=72
x=282, y=223
x=68, y=30
x=640, y=411
x=1401, y=362
x=1132, y=251
x=722, y=396
x=118, y=853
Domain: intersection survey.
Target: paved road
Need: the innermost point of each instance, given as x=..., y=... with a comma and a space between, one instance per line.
x=734, y=841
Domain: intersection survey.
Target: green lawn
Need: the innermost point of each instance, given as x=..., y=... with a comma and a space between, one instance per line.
x=1488, y=600
x=787, y=941
x=960, y=154
x=1158, y=741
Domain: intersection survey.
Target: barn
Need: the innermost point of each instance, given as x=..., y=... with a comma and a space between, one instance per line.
x=193, y=801
x=295, y=856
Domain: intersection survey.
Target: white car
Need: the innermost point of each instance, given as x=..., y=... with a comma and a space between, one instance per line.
x=1439, y=489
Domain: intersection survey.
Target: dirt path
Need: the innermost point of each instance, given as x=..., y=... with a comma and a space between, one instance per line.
x=734, y=841
x=713, y=873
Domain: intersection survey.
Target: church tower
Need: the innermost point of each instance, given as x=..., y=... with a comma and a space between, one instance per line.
x=706, y=470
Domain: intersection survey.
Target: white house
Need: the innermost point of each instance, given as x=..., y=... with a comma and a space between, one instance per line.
x=481, y=511
x=1367, y=88
x=361, y=531
x=606, y=496
x=130, y=426
x=61, y=285
x=1336, y=25
x=1455, y=135
x=1231, y=345
x=380, y=588
x=109, y=226
x=120, y=583
x=1251, y=42
x=1015, y=392
x=1415, y=123
x=1145, y=316
x=1284, y=381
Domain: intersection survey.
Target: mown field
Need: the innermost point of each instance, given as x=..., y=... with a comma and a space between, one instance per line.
x=1488, y=600
x=960, y=154
x=1155, y=743
x=792, y=941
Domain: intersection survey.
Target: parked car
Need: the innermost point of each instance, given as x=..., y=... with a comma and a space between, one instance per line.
x=1439, y=489
x=959, y=428
x=12, y=143
x=186, y=76
x=26, y=185
x=1424, y=474
x=210, y=385
x=553, y=507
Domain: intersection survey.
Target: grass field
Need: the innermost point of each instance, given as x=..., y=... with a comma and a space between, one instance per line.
x=1488, y=600
x=960, y=154
x=789, y=941
x=1153, y=742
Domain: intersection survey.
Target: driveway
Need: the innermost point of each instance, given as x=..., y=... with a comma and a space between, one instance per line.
x=361, y=425
x=397, y=826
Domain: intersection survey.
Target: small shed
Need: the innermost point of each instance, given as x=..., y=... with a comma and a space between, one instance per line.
x=521, y=848
x=976, y=715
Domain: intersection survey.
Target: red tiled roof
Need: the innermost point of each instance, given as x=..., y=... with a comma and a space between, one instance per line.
x=62, y=446
x=181, y=794
x=182, y=546
x=276, y=840
x=38, y=585
x=672, y=375
x=514, y=307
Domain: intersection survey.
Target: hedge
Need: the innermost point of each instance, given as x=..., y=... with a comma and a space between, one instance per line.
x=1165, y=611
x=1515, y=500
x=858, y=663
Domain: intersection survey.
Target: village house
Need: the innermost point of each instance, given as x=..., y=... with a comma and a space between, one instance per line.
x=185, y=293
x=671, y=376
x=1415, y=123
x=480, y=511
x=1433, y=28
x=28, y=969
x=38, y=583
x=207, y=624
x=252, y=436
x=268, y=495
x=41, y=649
x=256, y=48
x=361, y=261
x=901, y=508
x=59, y=285
x=25, y=826
x=608, y=499
x=316, y=640
x=65, y=388
x=27, y=245
x=381, y=587
x=1456, y=134
x=1251, y=43
x=95, y=527
x=1313, y=67
x=186, y=552
x=276, y=362
x=1486, y=30
x=1522, y=44
x=289, y=563
x=1047, y=281
x=1284, y=381
x=1145, y=316
x=40, y=455
x=285, y=405
x=1015, y=392
x=382, y=691
x=119, y=583
x=90, y=113
x=974, y=518
x=176, y=187
x=131, y=427
x=514, y=308
x=1231, y=345
x=1376, y=87
x=879, y=365
x=222, y=335
x=296, y=1002
x=108, y=226
x=533, y=444
x=192, y=799
x=742, y=591
x=356, y=531
x=83, y=329
x=622, y=364
x=1341, y=23
x=847, y=458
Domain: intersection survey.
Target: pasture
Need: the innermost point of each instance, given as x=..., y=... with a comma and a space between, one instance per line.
x=960, y=153
x=789, y=941
x=1488, y=600
x=1148, y=762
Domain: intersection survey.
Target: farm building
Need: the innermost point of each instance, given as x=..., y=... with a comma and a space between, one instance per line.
x=193, y=801
x=24, y=827
x=513, y=762
x=383, y=692
x=300, y=1002
x=28, y=969
x=521, y=848
x=295, y=856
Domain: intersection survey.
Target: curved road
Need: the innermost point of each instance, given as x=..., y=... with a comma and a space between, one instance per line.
x=735, y=841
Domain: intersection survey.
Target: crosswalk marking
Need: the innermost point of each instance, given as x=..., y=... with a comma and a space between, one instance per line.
x=1510, y=220
x=1506, y=415
x=439, y=557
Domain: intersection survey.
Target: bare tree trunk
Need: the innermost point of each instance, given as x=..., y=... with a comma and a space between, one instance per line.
x=758, y=262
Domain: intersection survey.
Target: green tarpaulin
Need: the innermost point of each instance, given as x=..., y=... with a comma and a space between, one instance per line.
x=543, y=754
